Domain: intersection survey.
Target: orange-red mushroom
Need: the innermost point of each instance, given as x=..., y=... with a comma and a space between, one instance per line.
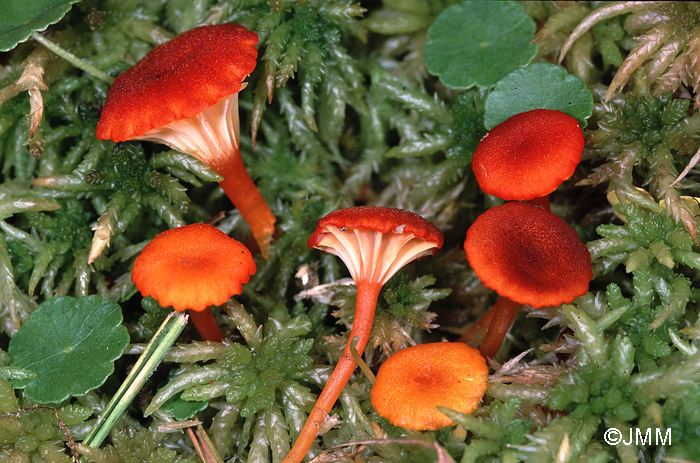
x=374, y=243
x=184, y=94
x=529, y=155
x=414, y=381
x=528, y=256
x=193, y=267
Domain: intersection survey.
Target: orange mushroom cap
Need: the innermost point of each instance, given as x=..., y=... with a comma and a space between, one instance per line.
x=192, y=267
x=414, y=381
x=177, y=80
x=528, y=255
x=375, y=242
x=529, y=155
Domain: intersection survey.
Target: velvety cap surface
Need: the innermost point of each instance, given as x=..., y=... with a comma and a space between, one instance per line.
x=192, y=267
x=414, y=381
x=178, y=79
x=381, y=219
x=528, y=255
x=529, y=155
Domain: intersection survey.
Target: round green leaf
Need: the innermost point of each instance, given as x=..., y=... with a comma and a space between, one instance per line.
x=71, y=344
x=478, y=43
x=538, y=86
x=21, y=18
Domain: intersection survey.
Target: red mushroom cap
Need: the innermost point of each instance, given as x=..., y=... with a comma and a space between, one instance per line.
x=375, y=242
x=528, y=255
x=177, y=80
x=529, y=155
x=192, y=267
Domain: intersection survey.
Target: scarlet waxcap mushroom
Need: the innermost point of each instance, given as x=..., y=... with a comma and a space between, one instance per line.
x=414, y=381
x=528, y=255
x=178, y=80
x=192, y=267
x=184, y=94
x=376, y=242
x=529, y=155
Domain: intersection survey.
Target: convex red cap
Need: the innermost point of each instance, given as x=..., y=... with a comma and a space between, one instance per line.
x=414, y=381
x=192, y=267
x=529, y=155
x=528, y=255
x=177, y=80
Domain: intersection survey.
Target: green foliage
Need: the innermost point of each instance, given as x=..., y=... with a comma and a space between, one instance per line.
x=36, y=433
x=21, y=19
x=260, y=379
x=401, y=316
x=653, y=249
x=494, y=434
x=139, y=446
x=648, y=120
x=538, y=86
x=183, y=409
x=61, y=338
x=478, y=43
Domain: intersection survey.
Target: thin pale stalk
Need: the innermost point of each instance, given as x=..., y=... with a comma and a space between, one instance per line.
x=72, y=59
x=367, y=294
x=165, y=337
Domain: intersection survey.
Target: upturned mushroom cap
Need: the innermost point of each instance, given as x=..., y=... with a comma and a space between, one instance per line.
x=414, y=381
x=528, y=255
x=177, y=80
x=376, y=242
x=192, y=267
x=529, y=155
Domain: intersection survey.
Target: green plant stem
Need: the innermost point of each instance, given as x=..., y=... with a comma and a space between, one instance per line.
x=361, y=363
x=161, y=342
x=72, y=59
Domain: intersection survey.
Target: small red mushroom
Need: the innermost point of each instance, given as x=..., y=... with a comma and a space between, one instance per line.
x=374, y=243
x=184, y=94
x=529, y=155
x=528, y=256
x=193, y=267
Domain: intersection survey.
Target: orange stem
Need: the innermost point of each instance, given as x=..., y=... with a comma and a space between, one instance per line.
x=206, y=325
x=479, y=327
x=367, y=294
x=243, y=193
x=504, y=310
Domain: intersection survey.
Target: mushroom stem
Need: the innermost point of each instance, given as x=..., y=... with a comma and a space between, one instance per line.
x=503, y=311
x=478, y=330
x=243, y=193
x=367, y=293
x=206, y=325
x=542, y=201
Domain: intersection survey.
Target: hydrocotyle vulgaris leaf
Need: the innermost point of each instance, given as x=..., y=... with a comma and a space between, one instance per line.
x=21, y=18
x=538, y=86
x=478, y=43
x=71, y=345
